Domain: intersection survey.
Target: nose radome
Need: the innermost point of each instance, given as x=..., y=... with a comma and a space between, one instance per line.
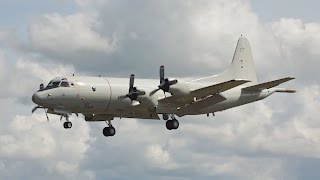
x=36, y=98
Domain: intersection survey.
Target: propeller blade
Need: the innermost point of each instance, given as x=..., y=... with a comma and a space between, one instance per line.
x=154, y=91
x=34, y=109
x=122, y=97
x=172, y=82
x=131, y=83
x=161, y=72
x=141, y=93
x=46, y=114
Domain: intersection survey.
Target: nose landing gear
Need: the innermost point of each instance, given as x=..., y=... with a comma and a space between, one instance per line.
x=67, y=124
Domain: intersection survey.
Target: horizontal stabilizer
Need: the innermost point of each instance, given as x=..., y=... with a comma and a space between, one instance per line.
x=217, y=88
x=267, y=85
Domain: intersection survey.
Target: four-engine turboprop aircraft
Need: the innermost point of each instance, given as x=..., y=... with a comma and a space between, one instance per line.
x=104, y=98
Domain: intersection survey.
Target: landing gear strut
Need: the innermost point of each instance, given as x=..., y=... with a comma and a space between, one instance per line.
x=109, y=131
x=172, y=124
x=67, y=124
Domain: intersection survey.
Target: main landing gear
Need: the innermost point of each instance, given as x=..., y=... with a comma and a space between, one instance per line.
x=172, y=124
x=109, y=131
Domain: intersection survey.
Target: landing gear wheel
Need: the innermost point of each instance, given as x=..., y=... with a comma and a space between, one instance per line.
x=168, y=125
x=172, y=124
x=175, y=124
x=67, y=125
x=109, y=131
x=165, y=116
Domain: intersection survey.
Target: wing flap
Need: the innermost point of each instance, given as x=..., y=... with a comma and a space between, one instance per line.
x=267, y=85
x=146, y=115
x=200, y=104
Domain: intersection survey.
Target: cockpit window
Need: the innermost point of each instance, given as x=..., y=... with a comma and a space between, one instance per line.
x=58, y=83
x=52, y=84
x=64, y=84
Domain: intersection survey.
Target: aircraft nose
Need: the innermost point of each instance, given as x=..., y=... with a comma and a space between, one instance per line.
x=36, y=98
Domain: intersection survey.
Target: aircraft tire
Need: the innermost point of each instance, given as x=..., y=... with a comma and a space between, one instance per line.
x=175, y=124
x=168, y=125
x=67, y=125
x=109, y=131
x=165, y=116
x=172, y=124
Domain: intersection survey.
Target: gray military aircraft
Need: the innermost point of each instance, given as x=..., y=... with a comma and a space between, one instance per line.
x=104, y=98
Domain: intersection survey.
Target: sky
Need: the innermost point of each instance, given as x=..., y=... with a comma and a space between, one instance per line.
x=277, y=138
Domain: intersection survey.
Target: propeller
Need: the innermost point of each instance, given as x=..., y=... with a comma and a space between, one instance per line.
x=40, y=107
x=165, y=83
x=133, y=91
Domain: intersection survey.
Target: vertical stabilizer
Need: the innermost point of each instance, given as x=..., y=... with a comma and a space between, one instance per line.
x=242, y=66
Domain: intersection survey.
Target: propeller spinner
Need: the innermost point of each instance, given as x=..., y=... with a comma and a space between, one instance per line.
x=165, y=83
x=133, y=91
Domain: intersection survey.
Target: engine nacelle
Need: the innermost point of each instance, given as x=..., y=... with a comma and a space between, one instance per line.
x=181, y=88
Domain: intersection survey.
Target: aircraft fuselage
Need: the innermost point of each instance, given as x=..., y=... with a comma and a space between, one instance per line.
x=100, y=95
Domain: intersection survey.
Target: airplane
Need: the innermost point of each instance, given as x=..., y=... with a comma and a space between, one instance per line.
x=105, y=98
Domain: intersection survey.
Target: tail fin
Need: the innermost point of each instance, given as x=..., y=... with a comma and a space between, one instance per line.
x=242, y=66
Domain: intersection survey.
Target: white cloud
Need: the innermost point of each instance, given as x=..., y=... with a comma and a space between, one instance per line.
x=157, y=155
x=41, y=139
x=23, y=78
x=91, y=3
x=32, y=138
x=70, y=34
x=2, y=66
x=43, y=71
x=298, y=44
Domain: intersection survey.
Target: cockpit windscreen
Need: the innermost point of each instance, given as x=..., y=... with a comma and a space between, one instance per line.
x=58, y=82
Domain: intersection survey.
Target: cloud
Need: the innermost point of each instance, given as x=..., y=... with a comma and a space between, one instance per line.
x=158, y=156
x=298, y=42
x=32, y=138
x=75, y=33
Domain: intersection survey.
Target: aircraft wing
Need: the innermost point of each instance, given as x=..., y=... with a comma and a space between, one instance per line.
x=139, y=115
x=141, y=111
x=201, y=93
x=267, y=85
x=217, y=88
